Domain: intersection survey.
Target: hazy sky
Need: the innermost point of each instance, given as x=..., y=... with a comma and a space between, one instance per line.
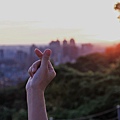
x=40, y=21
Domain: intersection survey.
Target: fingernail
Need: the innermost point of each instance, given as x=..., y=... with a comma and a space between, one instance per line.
x=47, y=52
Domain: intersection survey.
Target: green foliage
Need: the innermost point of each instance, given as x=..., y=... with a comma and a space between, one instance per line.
x=73, y=94
x=5, y=113
x=89, y=86
x=20, y=115
x=13, y=103
x=116, y=69
x=92, y=62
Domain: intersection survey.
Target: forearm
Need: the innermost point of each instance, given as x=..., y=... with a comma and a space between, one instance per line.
x=36, y=105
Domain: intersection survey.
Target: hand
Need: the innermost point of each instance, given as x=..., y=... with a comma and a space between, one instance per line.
x=41, y=72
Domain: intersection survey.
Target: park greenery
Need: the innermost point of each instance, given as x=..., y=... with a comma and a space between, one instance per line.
x=89, y=86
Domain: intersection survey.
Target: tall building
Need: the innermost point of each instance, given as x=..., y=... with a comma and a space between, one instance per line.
x=86, y=48
x=72, y=42
x=73, y=50
x=65, y=48
x=56, y=51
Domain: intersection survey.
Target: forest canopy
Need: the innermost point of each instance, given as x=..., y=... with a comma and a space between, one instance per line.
x=91, y=85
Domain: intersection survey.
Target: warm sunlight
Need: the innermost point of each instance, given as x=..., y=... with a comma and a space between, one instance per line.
x=40, y=21
x=75, y=43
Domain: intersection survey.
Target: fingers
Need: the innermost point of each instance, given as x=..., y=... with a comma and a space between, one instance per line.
x=38, y=53
x=32, y=70
x=45, y=58
x=51, y=69
x=43, y=62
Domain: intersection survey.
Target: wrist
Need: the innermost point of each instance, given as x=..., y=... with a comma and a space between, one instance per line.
x=31, y=88
x=34, y=90
x=35, y=95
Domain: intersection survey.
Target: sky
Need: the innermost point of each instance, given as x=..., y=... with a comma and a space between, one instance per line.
x=40, y=21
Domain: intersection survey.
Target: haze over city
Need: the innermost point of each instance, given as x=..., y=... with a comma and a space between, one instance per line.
x=84, y=39
x=40, y=21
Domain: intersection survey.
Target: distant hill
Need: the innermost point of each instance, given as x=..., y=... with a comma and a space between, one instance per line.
x=97, y=62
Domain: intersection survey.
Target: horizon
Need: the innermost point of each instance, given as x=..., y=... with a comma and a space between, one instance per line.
x=61, y=43
x=48, y=21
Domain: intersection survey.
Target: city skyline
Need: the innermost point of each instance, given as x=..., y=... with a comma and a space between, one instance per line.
x=68, y=51
x=39, y=22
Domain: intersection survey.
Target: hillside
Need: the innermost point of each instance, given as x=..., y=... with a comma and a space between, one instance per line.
x=89, y=86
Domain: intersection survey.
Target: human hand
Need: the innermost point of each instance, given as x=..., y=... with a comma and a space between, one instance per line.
x=41, y=72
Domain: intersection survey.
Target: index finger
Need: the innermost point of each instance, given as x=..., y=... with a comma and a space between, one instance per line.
x=38, y=53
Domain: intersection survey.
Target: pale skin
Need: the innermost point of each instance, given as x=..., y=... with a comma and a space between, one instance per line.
x=41, y=74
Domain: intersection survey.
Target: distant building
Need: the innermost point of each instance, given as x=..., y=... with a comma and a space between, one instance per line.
x=86, y=48
x=9, y=54
x=65, y=49
x=21, y=55
x=73, y=50
x=56, y=51
x=72, y=42
x=22, y=58
x=32, y=55
x=1, y=54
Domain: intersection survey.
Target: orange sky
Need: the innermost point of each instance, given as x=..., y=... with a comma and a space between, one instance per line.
x=40, y=21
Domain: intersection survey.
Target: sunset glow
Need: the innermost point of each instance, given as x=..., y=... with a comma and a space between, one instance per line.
x=40, y=21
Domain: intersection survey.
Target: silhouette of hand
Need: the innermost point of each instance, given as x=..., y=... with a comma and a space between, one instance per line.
x=41, y=72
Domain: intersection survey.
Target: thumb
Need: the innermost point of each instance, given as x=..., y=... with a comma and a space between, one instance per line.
x=45, y=58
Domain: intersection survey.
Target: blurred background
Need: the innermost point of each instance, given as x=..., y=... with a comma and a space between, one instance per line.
x=84, y=37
